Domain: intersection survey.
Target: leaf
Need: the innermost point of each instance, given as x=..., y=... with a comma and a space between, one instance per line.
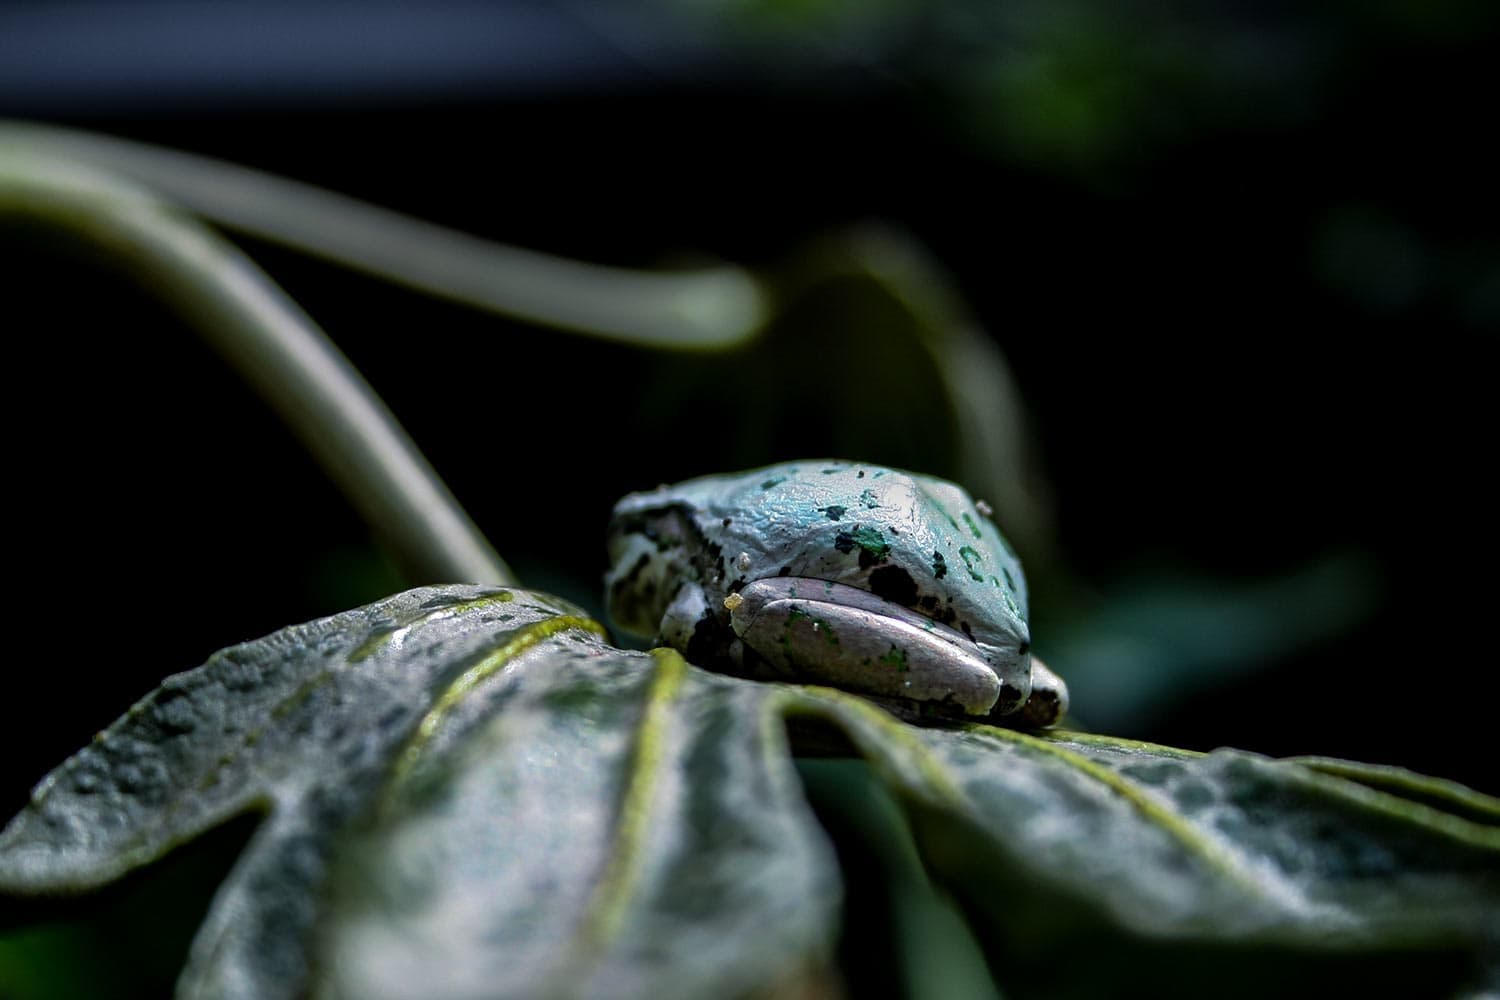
x=453, y=748
x=1246, y=871
x=620, y=825
x=468, y=792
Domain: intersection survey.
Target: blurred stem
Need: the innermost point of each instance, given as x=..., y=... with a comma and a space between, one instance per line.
x=706, y=309
x=273, y=344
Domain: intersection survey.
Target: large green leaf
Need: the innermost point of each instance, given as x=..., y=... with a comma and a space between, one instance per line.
x=468, y=792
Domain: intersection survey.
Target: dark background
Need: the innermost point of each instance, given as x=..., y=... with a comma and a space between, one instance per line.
x=1242, y=258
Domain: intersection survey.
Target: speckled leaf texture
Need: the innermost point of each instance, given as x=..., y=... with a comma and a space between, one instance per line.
x=470, y=793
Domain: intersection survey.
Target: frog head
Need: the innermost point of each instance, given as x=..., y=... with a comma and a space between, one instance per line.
x=866, y=578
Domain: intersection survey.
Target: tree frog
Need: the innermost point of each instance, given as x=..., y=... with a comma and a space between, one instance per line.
x=888, y=583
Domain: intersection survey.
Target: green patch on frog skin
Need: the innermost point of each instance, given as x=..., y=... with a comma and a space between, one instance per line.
x=772, y=483
x=867, y=499
x=793, y=616
x=970, y=522
x=971, y=556
x=867, y=539
x=896, y=658
x=819, y=625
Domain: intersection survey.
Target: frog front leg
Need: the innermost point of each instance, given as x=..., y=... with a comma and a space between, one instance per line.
x=831, y=633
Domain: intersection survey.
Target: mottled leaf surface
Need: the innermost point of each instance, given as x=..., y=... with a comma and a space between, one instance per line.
x=469, y=793
x=508, y=807
x=620, y=825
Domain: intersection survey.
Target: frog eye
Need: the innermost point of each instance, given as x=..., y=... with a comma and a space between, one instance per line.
x=850, y=638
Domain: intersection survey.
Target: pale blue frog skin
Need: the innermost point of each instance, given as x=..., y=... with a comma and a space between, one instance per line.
x=889, y=583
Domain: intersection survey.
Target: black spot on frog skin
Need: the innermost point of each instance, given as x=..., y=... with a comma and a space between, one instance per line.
x=833, y=512
x=939, y=566
x=894, y=584
x=964, y=627
x=622, y=582
x=656, y=527
x=709, y=644
x=929, y=604
x=784, y=571
x=728, y=521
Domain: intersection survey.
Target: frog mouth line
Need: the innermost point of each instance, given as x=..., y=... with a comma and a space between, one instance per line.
x=850, y=638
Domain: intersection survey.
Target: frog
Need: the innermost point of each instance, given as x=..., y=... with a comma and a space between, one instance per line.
x=892, y=584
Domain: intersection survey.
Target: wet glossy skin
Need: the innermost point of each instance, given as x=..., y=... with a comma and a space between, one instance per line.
x=871, y=579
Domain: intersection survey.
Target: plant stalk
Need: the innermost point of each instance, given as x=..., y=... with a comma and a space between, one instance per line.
x=707, y=309
x=279, y=349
